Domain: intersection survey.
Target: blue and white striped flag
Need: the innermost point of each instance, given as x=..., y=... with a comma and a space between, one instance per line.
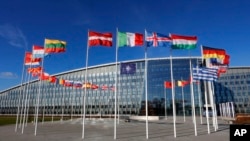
x=207, y=74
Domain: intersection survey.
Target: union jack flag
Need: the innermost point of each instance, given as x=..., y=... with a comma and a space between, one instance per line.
x=156, y=39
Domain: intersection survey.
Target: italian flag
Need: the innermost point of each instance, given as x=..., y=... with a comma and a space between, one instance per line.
x=183, y=42
x=129, y=39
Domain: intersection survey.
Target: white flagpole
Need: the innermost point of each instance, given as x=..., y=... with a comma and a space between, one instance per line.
x=38, y=98
x=206, y=106
x=26, y=99
x=165, y=94
x=200, y=104
x=116, y=73
x=192, y=98
x=146, y=87
x=215, y=109
x=20, y=93
x=183, y=102
x=199, y=94
x=23, y=100
x=85, y=90
x=119, y=90
x=173, y=92
x=53, y=102
x=206, y=101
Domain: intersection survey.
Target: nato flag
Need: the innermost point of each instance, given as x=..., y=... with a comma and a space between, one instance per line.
x=128, y=68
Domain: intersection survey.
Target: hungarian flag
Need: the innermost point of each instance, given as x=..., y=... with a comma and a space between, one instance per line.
x=100, y=39
x=183, y=42
x=130, y=39
x=38, y=52
x=29, y=60
x=54, y=46
x=209, y=52
x=167, y=84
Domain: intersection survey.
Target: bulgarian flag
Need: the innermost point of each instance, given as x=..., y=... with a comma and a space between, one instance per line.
x=54, y=46
x=130, y=39
x=183, y=42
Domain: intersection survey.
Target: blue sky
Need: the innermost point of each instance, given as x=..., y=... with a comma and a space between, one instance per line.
x=23, y=23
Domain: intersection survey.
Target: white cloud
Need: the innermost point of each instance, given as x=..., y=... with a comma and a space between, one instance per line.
x=13, y=35
x=8, y=75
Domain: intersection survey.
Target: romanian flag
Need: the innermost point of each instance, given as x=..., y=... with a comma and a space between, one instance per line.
x=209, y=52
x=100, y=39
x=29, y=60
x=54, y=46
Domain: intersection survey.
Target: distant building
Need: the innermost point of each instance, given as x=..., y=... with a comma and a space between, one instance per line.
x=59, y=99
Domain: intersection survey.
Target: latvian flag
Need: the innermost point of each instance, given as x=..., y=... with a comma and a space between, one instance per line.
x=100, y=39
x=207, y=74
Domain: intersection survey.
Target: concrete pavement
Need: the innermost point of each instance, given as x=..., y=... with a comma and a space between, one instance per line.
x=103, y=130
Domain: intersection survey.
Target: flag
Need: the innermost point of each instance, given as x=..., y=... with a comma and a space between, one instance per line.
x=38, y=52
x=44, y=76
x=77, y=84
x=156, y=39
x=167, y=84
x=182, y=83
x=179, y=83
x=68, y=83
x=94, y=86
x=54, y=46
x=112, y=88
x=209, y=52
x=130, y=39
x=35, y=71
x=29, y=60
x=208, y=74
x=183, y=42
x=86, y=85
x=100, y=39
x=128, y=68
x=104, y=87
x=61, y=81
x=52, y=79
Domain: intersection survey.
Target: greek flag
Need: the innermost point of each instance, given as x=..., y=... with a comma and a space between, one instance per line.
x=207, y=74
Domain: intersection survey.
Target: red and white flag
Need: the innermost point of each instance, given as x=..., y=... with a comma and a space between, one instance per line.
x=100, y=39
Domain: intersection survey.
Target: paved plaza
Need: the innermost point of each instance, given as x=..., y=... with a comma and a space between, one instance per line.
x=103, y=130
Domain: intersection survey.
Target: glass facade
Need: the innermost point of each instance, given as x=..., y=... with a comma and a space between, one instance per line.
x=58, y=100
x=234, y=86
